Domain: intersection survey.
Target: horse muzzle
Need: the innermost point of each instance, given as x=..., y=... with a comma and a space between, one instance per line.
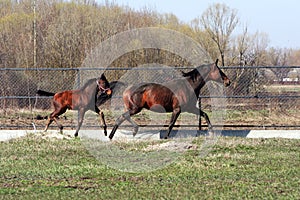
x=108, y=91
x=227, y=82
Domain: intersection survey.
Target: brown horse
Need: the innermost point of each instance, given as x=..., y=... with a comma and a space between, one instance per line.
x=179, y=95
x=82, y=99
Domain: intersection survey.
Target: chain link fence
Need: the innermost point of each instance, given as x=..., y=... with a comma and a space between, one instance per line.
x=259, y=97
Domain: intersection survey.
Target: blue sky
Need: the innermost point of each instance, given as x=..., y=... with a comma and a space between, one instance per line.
x=280, y=19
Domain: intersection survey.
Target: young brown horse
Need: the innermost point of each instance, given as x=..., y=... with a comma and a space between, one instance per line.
x=82, y=99
x=176, y=96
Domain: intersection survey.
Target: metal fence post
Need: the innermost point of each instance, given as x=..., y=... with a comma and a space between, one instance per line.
x=199, y=105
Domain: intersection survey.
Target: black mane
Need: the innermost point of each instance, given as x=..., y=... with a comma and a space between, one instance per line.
x=199, y=71
x=89, y=82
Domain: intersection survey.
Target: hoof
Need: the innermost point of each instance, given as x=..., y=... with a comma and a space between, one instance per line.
x=135, y=130
x=211, y=133
x=61, y=129
x=76, y=135
x=105, y=130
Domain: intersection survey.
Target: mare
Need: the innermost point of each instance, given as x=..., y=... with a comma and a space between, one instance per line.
x=176, y=96
x=82, y=99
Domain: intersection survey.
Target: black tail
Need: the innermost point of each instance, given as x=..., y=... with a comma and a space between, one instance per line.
x=44, y=93
x=39, y=117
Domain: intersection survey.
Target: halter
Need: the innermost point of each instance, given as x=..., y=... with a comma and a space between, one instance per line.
x=102, y=89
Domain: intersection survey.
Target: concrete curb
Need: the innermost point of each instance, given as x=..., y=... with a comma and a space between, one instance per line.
x=6, y=135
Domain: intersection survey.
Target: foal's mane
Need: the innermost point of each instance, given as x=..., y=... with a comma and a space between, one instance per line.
x=89, y=82
x=93, y=80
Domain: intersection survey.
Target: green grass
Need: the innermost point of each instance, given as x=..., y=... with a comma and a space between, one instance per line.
x=235, y=168
x=282, y=88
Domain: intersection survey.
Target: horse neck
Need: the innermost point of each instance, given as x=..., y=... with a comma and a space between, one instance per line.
x=200, y=83
x=197, y=83
x=90, y=89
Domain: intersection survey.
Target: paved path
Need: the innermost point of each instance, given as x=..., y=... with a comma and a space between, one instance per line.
x=98, y=134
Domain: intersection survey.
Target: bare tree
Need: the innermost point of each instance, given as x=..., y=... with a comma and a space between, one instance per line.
x=220, y=21
x=256, y=55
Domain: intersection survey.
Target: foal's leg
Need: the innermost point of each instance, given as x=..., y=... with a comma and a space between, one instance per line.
x=49, y=121
x=102, y=120
x=175, y=114
x=81, y=113
x=58, y=124
x=54, y=117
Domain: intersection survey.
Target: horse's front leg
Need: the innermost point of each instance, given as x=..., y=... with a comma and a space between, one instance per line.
x=175, y=114
x=103, y=122
x=102, y=119
x=203, y=114
x=199, y=112
x=81, y=113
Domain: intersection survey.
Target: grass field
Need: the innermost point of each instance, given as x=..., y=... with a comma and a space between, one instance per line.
x=235, y=168
x=282, y=88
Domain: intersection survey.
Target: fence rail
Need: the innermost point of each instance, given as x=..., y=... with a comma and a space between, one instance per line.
x=258, y=97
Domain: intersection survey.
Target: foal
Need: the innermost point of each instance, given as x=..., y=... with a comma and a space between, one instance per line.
x=82, y=99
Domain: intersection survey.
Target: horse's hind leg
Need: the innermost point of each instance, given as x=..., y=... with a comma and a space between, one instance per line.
x=121, y=119
x=49, y=121
x=54, y=115
x=135, y=126
x=58, y=124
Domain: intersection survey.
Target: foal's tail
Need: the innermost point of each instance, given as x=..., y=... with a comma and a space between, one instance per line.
x=40, y=117
x=44, y=93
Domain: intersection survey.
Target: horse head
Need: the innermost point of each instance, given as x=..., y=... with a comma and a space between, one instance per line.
x=103, y=85
x=216, y=74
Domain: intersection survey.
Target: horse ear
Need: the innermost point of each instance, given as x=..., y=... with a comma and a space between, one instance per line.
x=103, y=77
x=183, y=73
x=216, y=63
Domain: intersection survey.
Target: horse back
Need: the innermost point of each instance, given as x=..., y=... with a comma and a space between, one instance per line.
x=66, y=99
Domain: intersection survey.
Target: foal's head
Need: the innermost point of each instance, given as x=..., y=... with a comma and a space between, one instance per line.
x=216, y=74
x=103, y=85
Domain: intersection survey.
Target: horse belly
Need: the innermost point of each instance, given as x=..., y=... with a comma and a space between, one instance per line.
x=160, y=102
x=66, y=100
